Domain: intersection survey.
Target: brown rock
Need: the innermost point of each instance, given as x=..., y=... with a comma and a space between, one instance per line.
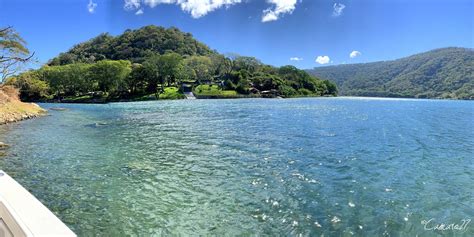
x=3, y=145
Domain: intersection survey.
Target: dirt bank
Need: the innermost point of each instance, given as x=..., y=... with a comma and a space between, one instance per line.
x=13, y=110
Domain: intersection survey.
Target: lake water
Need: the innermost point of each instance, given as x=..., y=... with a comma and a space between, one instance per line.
x=332, y=166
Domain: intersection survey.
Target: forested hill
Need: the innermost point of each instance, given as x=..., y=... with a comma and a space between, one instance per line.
x=134, y=45
x=440, y=73
x=158, y=63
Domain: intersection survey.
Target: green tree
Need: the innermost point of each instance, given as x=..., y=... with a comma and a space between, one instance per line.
x=152, y=73
x=77, y=78
x=31, y=87
x=331, y=87
x=250, y=64
x=169, y=67
x=110, y=75
x=55, y=78
x=137, y=80
x=201, y=67
x=220, y=65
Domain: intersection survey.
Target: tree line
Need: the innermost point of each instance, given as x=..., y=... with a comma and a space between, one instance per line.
x=144, y=61
x=124, y=79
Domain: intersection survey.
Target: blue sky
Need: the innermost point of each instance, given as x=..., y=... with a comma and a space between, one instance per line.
x=304, y=33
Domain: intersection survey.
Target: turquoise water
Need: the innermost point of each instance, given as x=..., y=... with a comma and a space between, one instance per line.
x=332, y=166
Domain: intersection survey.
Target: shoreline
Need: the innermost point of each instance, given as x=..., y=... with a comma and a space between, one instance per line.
x=199, y=97
x=13, y=110
x=20, y=115
x=241, y=97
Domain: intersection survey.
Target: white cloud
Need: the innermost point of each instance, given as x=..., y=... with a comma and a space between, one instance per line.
x=154, y=3
x=296, y=59
x=338, y=8
x=323, y=59
x=139, y=12
x=200, y=8
x=281, y=7
x=91, y=6
x=197, y=8
x=354, y=54
x=132, y=4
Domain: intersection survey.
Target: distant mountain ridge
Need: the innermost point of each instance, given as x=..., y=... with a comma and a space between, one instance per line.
x=440, y=73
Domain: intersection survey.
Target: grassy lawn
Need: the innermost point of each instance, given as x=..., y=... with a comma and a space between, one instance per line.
x=213, y=90
x=171, y=93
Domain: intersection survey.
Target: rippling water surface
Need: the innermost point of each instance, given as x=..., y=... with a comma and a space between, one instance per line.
x=332, y=166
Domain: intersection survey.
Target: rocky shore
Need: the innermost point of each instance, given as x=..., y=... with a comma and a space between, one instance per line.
x=13, y=110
